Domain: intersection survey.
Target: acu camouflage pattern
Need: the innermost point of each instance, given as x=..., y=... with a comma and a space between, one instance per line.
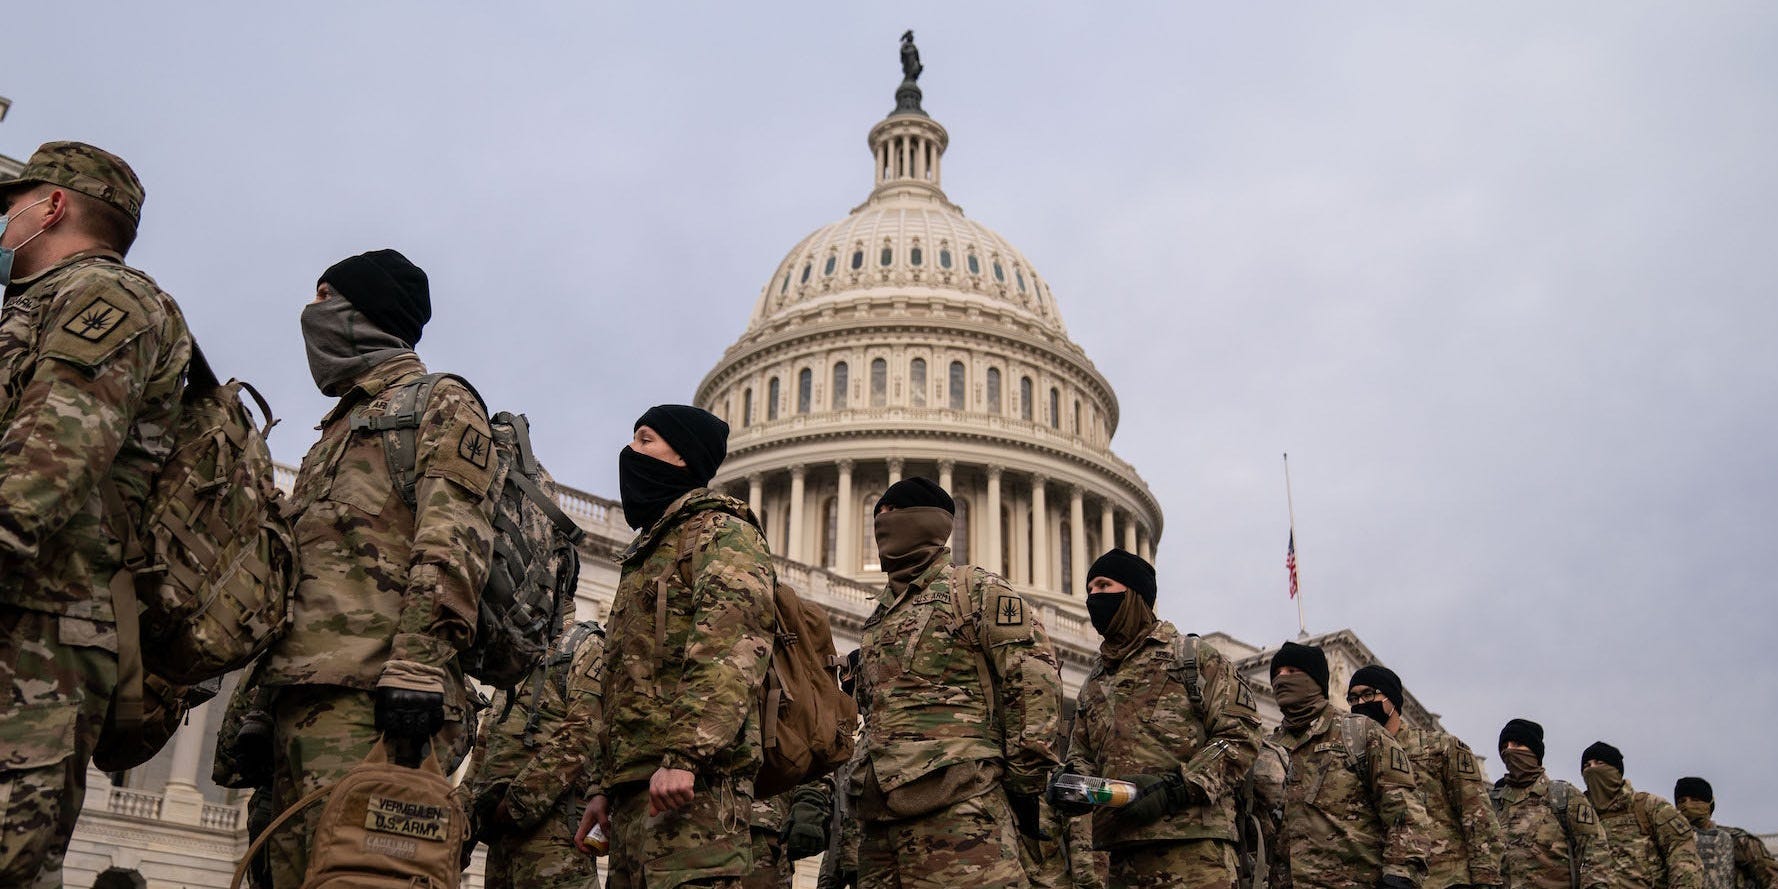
x=1349, y=824
x=686, y=695
x=92, y=362
x=1754, y=866
x=541, y=770
x=381, y=581
x=921, y=682
x=1540, y=851
x=1464, y=844
x=1136, y=717
x=1716, y=851
x=972, y=843
x=1664, y=856
x=84, y=168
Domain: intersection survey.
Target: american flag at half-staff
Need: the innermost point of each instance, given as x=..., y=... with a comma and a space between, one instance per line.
x=1290, y=552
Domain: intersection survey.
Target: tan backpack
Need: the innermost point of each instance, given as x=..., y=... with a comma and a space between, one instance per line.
x=807, y=720
x=385, y=826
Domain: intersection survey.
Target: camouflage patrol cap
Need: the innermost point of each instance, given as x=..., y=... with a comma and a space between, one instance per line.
x=80, y=167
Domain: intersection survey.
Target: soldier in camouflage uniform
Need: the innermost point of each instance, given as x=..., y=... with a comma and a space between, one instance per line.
x=388, y=593
x=1732, y=857
x=1169, y=714
x=92, y=363
x=1652, y=845
x=962, y=700
x=839, y=866
x=1352, y=812
x=1553, y=836
x=531, y=766
x=771, y=863
x=691, y=636
x=1463, y=837
x=1265, y=857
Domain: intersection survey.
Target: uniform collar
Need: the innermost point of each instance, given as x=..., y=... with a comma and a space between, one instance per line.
x=395, y=371
x=926, y=579
x=1323, y=721
x=692, y=501
x=19, y=284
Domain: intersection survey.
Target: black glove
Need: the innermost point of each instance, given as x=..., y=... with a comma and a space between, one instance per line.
x=1391, y=881
x=253, y=748
x=1157, y=796
x=805, y=832
x=407, y=715
x=1027, y=812
x=1067, y=807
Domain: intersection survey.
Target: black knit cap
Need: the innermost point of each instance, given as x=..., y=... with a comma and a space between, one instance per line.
x=1525, y=732
x=388, y=289
x=1605, y=753
x=1126, y=568
x=1382, y=679
x=700, y=437
x=1307, y=658
x=1693, y=788
x=916, y=491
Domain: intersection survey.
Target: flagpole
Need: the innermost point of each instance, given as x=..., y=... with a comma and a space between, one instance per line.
x=1290, y=506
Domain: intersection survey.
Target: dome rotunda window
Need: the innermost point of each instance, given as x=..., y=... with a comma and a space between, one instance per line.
x=887, y=257
x=805, y=391
x=993, y=390
x=785, y=287
x=772, y=393
x=917, y=382
x=999, y=273
x=944, y=258
x=915, y=257
x=857, y=260
x=838, y=396
x=807, y=268
x=879, y=382
x=1025, y=398
x=832, y=261
x=1021, y=278
x=959, y=388
x=975, y=267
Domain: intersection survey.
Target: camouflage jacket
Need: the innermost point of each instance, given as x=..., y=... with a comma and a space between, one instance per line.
x=546, y=743
x=92, y=363
x=1463, y=836
x=381, y=581
x=1652, y=845
x=1751, y=862
x=683, y=694
x=843, y=827
x=1542, y=847
x=924, y=705
x=1350, y=823
x=1136, y=716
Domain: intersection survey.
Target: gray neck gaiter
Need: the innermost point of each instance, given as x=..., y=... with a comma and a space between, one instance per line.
x=342, y=344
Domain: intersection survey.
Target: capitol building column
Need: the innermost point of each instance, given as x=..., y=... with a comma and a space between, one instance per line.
x=995, y=557
x=1107, y=528
x=845, y=551
x=1073, y=584
x=1040, y=535
x=895, y=464
x=793, y=536
x=946, y=474
x=1130, y=534
x=756, y=492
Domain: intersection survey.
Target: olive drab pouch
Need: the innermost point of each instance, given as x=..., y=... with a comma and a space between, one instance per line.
x=209, y=572
x=385, y=826
x=535, y=566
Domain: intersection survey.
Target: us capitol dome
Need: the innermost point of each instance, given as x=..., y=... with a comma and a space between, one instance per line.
x=908, y=339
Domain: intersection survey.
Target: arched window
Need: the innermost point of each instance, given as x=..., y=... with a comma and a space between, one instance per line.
x=915, y=257
x=944, y=257
x=831, y=260
x=1067, y=548
x=1021, y=277
x=1055, y=408
x=917, y=382
x=747, y=407
x=1025, y=398
x=887, y=257
x=805, y=390
x=726, y=414
x=879, y=382
x=960, y=533
x=830, y=529
x=1077, y=429
x=959, y=386
x=999, y=273
x=838, y=398
x=868, y=545
x=857, y=259
x=772, y=395
x=785, y=287
x=975, y=267
x=993, y=390
x=807, y=268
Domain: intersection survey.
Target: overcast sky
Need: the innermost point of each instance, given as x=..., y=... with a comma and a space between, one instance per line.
x=1500, y=278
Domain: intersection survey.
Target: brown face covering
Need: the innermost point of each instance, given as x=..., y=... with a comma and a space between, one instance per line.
x=1129, y=626
x=1300, y=697
x=909, y=540
x=1522, y=766
x=1696, y=811
x=1604, y=783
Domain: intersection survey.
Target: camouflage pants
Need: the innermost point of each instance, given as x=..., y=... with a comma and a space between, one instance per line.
x=703, y=844
x=544, y=858
x=972, y=843
x=1045, y=861
x=772, y=868
x=319, y=732
x=1187, y=864
x=58, y=683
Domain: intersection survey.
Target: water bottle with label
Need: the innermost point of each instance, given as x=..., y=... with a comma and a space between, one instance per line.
x=1092, y=791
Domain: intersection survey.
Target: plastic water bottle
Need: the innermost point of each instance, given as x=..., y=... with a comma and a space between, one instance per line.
x=1107, y=792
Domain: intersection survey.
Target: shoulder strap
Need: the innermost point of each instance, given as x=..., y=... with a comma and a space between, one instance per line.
x=314, y=797
x=401, y=428
x=1496, y=796
x=1185, y=651
x=971, y=618
x=1558, y=800
x=1355, y=737
x=1639, y=805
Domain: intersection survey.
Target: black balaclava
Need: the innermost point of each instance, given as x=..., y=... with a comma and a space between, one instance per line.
x=1383, y=680
x=1525, y=732
x=1522, y=769
x=391, y=291
x=912, y=535
x=1307, y=658
x=1122, y=619
x=1128, y=569
x=1605, y=753
x=1695, y=800
x=648, y=485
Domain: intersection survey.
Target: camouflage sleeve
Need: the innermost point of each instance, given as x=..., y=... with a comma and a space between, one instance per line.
x=1467, y=787
x=453, y=529
x=1397, y=799
x=1081, y=756
x=1679, y=846
x=562, y=760
x=1597, y=870
x=730, y=646
x=1754, y=861
x=100, y=348
x=1029, y=681
x=1231, y=727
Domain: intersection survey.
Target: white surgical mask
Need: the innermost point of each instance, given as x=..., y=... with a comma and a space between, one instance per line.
x=7, y=253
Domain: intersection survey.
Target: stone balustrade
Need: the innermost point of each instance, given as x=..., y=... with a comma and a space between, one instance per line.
x=135, y=803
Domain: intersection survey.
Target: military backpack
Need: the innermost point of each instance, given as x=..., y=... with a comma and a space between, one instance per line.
x=1716, y=849
x=208, y=573
x=1557, y=799
x=535, y=566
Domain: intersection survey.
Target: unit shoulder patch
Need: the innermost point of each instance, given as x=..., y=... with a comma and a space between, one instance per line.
x=94, y=324
x=465, y=450
x=1398, y=760
x=1465, y=763
x=1009, y=610
x=1585, y=815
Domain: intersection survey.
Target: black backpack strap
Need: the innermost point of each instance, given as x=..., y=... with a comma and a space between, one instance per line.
x=1185, y=657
